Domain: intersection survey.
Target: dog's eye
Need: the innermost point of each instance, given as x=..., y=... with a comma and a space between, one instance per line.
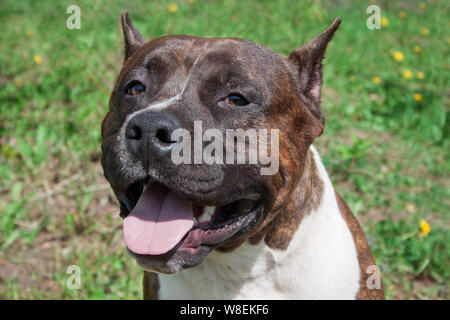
x=134, y=88
x=237, y=100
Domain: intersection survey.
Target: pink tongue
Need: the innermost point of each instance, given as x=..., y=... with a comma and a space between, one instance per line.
x=159, y=221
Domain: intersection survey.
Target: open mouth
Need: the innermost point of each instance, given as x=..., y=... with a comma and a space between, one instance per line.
x=161, y=220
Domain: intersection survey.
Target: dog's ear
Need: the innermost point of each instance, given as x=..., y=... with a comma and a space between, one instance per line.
x=132, y=38
x=308, y=62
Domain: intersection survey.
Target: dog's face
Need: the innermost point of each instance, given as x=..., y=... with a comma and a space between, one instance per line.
x=176, y=213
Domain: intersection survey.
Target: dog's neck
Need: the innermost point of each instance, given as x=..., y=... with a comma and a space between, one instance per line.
x=319, y=263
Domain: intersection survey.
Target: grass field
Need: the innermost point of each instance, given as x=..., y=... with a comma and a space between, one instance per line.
x=386, y=143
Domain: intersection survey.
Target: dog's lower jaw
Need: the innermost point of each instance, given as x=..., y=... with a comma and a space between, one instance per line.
x=321, y=262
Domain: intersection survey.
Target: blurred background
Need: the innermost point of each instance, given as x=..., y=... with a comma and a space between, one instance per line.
x=386, y=142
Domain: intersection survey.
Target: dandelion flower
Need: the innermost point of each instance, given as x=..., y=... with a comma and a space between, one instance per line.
x=407, y=74
x=417, y=49
x=29, y=33
x=173, y=7
x=425, y=31
x=376, y=80
x=422, y=5
x=417, y=97
x=402, y=14
x=420, y=75
x=398, y=56
x=38, y=59
x=425, y=228
x=384, y=21
x=17, y=82
x=352, y=78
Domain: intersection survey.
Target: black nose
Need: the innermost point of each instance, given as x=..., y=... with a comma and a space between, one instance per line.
x=148, y=135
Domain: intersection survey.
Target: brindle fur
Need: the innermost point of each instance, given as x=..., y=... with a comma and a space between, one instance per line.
x=286, y=97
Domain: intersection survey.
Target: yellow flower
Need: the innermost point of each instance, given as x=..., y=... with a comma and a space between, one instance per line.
x=407, y=74
x=17, y=82
x=173, y=7
x=398, y=56
x=420, y=75
x=29, y=33
x=376, y=80
x=417, y=97
x=417, y=49
x=384, y=21
x=352, y=78
x=38, y=59
x=425, y=228
x=402, y=14
x=422, y=5
x=425, y=31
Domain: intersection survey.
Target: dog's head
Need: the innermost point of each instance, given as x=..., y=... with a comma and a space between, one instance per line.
x=176, y=212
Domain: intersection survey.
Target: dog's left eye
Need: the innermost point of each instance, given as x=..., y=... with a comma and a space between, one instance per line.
x=237, y=100
x=134, y=88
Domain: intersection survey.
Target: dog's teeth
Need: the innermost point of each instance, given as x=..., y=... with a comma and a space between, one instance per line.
x=207, y=214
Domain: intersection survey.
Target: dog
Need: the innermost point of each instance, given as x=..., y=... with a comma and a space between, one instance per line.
x=227, y=231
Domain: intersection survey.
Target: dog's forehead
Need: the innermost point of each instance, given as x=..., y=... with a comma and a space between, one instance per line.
x=219, y=52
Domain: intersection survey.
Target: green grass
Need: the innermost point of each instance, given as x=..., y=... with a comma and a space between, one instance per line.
x=386, y=153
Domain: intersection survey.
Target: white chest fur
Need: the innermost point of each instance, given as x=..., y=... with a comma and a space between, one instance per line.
x=320, y=263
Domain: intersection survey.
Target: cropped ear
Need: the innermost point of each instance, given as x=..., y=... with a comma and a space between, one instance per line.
x=132, y=38
x=308, y=60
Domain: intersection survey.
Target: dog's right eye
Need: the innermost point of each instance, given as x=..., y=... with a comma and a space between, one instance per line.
x=134, y=88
